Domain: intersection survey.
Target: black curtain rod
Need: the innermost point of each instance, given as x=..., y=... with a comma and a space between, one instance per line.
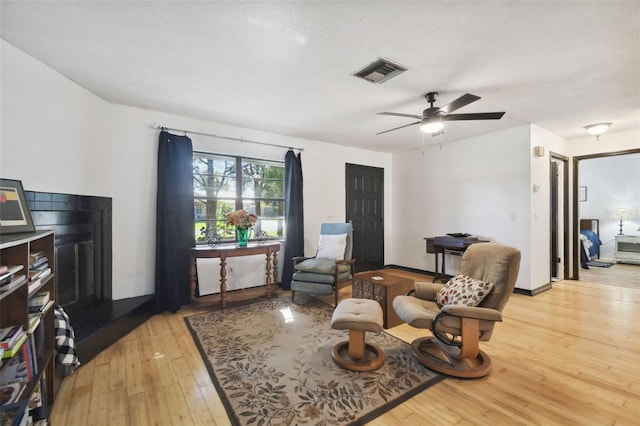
x=159, y=126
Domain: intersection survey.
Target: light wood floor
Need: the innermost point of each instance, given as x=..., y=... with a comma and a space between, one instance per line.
x=568, y=356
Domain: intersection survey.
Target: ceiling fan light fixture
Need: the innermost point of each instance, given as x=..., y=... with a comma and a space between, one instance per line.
x=431, y=126
x=596, y=129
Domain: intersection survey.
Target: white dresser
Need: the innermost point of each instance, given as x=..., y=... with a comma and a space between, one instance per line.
x=627, y=249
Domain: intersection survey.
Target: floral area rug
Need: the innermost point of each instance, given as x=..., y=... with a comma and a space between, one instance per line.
x=271, y=364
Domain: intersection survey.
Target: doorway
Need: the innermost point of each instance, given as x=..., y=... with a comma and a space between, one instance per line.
x=601, y=212
x=364, y=208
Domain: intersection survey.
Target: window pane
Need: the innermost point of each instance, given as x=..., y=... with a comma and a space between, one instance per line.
x=262, y=179
x=214, y=176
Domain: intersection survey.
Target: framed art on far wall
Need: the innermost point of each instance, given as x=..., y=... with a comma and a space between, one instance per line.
x=15, y=216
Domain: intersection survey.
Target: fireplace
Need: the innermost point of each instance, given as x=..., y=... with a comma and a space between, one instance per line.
x=82, y=227
x=83, y=251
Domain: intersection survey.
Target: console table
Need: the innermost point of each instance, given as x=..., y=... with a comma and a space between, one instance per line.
x=270, y=250
x=451, y=245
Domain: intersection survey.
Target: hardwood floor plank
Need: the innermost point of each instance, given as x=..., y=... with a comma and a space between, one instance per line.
x=565, y=356
x=118, y=412
x=138, y=409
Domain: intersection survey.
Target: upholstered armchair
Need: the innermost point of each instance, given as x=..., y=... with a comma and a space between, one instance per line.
x=462, y=312
x=331, y=266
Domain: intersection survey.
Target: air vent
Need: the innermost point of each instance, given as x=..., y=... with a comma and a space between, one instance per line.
x=380, y=71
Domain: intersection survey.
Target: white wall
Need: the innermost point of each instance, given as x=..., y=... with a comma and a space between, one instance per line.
x=478, y=185
x=541, y=204
x=58, y=137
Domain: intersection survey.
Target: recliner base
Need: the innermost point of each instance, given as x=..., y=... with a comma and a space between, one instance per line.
x=444, y=359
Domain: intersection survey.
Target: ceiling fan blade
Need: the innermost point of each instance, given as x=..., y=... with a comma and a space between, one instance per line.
x=463, y=100
x=474, y=116
x=406, y=125
x=399, y=114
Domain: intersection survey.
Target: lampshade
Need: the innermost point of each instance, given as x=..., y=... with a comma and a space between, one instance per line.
x=431, y=126
x=597, y=129
x=620, y=214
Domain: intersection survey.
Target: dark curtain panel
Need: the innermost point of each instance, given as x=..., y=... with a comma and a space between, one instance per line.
x=294, y=244
x=174, y=226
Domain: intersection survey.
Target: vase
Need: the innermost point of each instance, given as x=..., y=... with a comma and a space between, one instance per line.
x=243, y=236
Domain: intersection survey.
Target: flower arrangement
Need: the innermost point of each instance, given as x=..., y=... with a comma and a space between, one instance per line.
x=241, y=219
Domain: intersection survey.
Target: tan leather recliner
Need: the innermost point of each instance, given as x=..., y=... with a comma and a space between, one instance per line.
x=457, y=330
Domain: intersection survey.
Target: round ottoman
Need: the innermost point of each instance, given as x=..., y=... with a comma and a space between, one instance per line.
x=357, y=316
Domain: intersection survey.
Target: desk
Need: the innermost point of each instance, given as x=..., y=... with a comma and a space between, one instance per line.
x=270, y=250
x=451, y=245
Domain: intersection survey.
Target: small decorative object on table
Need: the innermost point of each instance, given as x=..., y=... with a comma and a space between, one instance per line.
x=243, y=221
x=213, y=238
x=261, y=237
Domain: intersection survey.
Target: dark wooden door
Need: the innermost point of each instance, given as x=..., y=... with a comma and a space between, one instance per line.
x=364, y=208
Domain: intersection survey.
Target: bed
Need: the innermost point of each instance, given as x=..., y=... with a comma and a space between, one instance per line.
x=589, y=241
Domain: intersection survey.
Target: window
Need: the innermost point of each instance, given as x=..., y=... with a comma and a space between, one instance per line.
x=223, y=184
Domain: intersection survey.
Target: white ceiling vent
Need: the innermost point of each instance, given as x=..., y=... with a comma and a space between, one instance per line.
x=380, y=71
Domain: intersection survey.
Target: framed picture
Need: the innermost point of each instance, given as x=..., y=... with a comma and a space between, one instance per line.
x=15, y=216
x=582, y=194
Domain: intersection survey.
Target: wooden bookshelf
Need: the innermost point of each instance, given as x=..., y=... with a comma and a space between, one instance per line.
x=14, y=308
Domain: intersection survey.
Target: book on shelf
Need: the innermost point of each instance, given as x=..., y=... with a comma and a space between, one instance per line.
x=14, y=414
x=39, y=299
x=17, y=281
x=34, y=256
x=9, y=276
x=41, y=263
x=10, y=335
x=39, y=310
x=11, y=392
x=34, y=322
x=16, y=369
x=12, y=350
x=37, y=407
x=4, y=269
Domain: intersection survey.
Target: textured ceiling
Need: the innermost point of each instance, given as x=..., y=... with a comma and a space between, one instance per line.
x=286, y=67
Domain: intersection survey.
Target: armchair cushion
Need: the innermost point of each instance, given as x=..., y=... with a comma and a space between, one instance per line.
x=331, y=246
x=463, y=290
x=320, y=266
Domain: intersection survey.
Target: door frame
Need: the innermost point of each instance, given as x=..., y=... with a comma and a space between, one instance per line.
x=576, y=204
x=553, y=156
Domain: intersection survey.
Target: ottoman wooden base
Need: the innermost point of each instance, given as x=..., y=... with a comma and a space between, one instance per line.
x=357, y=356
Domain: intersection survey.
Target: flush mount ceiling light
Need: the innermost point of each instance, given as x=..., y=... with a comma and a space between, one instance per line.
x=597, y=129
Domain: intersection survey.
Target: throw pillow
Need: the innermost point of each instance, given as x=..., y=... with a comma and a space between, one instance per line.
x=463, y=290
x=332, y=246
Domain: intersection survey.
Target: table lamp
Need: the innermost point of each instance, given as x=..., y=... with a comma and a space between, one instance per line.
x=621, y=214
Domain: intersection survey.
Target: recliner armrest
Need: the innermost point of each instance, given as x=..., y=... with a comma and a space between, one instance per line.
x=486, y=314
x=298, y=259
x=427, y=291
x=345, y=261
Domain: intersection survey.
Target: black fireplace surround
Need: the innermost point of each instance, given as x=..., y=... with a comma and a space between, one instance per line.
x=82, y=227
x=83, y=263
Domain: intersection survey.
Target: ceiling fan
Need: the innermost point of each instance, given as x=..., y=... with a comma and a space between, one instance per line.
x=432, y=118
